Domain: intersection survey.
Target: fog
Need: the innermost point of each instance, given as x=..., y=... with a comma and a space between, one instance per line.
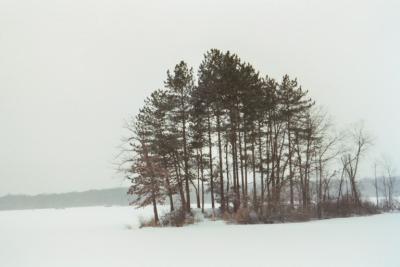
x=71, y=72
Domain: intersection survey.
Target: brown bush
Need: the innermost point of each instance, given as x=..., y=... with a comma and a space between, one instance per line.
x=298, y=215
x=347, y=207
x=226, y=216
x=247, y=216
x=241, y=216
x=177, y=218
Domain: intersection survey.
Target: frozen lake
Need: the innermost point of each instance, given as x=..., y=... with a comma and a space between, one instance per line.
x=109, y=236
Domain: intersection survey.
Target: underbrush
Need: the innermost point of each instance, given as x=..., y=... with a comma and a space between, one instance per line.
x=287, y=213
x=176, y=218
x=346, y=208
x=267, y=214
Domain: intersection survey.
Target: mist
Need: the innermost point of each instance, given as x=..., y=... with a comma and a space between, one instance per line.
x=71, y=73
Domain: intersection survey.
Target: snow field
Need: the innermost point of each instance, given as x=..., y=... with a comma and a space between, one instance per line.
x=109, y=236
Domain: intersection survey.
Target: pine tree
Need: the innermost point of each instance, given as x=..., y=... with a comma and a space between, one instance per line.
x=147, y=172
x=180, y=84
x=210, y=83
x=255, y=125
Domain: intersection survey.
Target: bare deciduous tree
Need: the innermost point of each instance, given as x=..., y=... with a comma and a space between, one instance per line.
x=358, y=142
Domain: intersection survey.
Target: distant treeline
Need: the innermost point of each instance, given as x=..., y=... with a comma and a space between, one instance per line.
x=103, y=197
x=118, y=197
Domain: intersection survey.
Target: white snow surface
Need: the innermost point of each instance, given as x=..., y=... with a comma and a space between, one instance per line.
x=109, y=236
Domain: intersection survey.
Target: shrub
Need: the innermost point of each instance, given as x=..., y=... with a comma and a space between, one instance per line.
x=177, y=218
x=346, y=207
x=246, y=216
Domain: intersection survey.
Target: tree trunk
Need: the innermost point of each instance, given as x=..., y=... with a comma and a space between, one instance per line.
x=211, y=160
x=153, y=195
x=180, y=184
x=261, y=166
x=185, y=155
x=241, y=170
x=220, y=163
x=320, y=189
x=245, y=185
x=227, y=176
x=267, y=147
x=198, y=180
x=202, y=180
x=156, y=220
x=171, y=199
x=253, y=159
x=235, y=179
x=290, y=165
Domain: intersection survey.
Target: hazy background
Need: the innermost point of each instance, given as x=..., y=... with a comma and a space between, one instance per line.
x=71, y=72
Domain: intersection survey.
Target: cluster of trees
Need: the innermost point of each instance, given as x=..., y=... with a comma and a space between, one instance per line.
x=384, y=185
x=246, y=140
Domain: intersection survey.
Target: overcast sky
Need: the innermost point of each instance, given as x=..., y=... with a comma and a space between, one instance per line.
x=71, y=72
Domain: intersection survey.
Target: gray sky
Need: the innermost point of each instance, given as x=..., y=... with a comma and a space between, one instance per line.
x=72, y=71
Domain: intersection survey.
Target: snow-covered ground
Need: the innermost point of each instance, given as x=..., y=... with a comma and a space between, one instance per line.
x=109, y=236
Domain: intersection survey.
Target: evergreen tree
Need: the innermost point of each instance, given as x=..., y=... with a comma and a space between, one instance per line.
x=255, y=125
x=147, y=172
x=180, y=84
